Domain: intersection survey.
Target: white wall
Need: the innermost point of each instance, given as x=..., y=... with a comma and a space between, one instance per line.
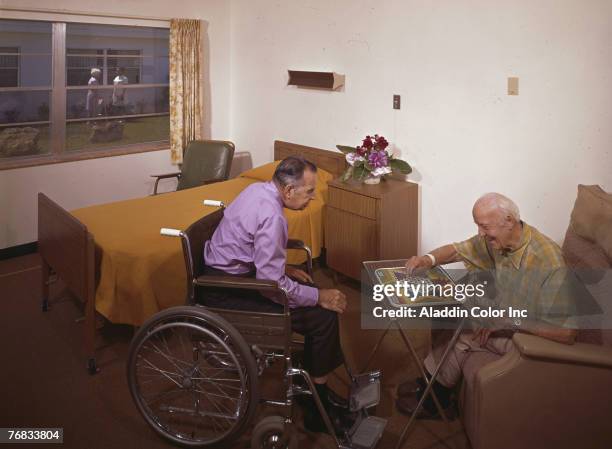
x=449, y=60
x=79, y=184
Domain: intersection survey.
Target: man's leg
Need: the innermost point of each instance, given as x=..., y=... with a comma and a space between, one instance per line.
x=322, y=351
x=450, y=372
x=322, y=355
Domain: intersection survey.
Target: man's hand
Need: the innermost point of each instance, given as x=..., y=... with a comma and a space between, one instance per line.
x=332, y=299
x=498, y=327
x=417, y=263
x=298, y=275
x=482, y=335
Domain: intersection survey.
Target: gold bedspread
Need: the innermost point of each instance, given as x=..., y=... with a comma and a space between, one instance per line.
x=142, y=272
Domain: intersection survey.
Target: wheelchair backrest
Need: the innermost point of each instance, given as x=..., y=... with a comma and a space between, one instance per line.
x=193, y=246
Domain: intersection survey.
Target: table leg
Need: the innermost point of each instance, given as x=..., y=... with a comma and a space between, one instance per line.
x=428, y=389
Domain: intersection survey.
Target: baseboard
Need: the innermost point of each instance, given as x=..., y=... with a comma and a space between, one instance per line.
x=19, y=250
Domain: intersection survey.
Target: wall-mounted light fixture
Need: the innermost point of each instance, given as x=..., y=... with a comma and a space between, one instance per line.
x=321, y=80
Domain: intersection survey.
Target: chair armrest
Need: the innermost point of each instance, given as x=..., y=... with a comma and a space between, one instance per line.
x=176, y=175
x=167, y=175
x=535, y=347
x=298, y=244
x=236, y=282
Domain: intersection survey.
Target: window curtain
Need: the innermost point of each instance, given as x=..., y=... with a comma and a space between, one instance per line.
x=185, y=86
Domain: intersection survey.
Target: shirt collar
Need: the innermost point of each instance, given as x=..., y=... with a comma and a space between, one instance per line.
x=271, y=187
x=516, y=256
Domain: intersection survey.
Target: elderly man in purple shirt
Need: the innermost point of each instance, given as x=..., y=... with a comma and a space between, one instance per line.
x=251, y=240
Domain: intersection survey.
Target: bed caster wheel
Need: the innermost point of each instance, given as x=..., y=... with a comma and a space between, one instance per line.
x=268, y=434
x=92, y=368
x=45, y=305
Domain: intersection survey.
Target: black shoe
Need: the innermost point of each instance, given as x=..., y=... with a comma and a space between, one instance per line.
x=334, y=398
x=341, y=420
x=409, y=395
x=410, y=388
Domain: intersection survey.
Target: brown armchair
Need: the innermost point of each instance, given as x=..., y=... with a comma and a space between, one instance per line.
x=546, y=394
x=205, y=162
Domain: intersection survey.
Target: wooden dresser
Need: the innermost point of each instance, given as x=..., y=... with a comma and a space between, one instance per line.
x=370, y=222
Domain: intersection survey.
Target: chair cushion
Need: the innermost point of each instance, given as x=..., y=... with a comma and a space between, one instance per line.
x=592, y=217
x=582, y=253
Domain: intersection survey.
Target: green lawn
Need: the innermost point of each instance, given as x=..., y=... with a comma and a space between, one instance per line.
x=135, y=130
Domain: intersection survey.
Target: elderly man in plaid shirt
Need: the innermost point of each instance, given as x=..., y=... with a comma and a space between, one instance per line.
x=529, y=272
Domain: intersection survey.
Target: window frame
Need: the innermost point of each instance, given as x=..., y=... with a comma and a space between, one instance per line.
x=57, y=104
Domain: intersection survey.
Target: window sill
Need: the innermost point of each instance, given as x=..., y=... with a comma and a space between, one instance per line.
x=23, y=162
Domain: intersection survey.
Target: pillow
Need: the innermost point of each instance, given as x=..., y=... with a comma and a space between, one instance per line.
x=266, y=171
x=592, y=216
x=261, y=173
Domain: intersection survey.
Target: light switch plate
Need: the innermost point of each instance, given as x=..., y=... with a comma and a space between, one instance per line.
x=396, y=102
x=513, y=85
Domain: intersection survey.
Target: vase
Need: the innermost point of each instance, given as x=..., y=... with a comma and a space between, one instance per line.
x=372, y=180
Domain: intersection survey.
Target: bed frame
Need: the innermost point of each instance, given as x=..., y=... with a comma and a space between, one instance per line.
x=67, y=248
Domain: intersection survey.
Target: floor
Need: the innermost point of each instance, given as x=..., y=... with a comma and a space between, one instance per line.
x=45, y=383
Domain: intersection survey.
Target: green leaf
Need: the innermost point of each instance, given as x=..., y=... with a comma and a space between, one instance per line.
x=360, y=172
x=400, y=165
x=358, y=163
x=345, y=149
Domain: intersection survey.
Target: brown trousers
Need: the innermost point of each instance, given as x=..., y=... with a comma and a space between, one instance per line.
x=451, y=370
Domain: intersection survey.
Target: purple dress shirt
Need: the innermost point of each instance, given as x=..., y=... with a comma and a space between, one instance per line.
x=253, y=235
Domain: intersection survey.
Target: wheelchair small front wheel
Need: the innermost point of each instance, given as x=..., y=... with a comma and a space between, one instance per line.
x=178, y=391
x=268, y=434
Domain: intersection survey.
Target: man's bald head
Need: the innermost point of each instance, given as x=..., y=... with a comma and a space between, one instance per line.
x=498, y=220
x=496, y=202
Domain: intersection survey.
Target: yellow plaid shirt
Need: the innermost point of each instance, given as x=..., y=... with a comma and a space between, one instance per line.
x=533, y=277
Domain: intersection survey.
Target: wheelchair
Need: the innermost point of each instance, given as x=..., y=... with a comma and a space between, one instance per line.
x=193, y=371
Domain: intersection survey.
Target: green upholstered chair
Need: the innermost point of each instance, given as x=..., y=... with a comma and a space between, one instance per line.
x=204, y=162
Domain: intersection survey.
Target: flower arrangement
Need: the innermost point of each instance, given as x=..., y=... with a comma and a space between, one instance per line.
x=370, y=160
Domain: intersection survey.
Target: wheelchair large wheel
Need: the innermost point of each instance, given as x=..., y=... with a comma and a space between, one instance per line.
x=193, y=377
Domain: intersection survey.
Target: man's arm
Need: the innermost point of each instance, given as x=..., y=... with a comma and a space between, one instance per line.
x=505, y=328
x=443, y=255
x=270, y=259
x=550, y=332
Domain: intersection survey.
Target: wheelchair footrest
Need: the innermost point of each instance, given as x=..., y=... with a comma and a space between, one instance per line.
x=366, y=432
x=364, y=391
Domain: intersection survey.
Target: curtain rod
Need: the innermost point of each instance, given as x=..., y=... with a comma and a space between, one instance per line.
x=83, y=13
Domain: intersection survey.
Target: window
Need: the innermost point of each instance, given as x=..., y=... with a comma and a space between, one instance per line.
x=109, y=93
x=9, y=66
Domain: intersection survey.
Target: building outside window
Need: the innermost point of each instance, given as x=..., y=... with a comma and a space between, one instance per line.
x=9, y=66
x=74, y=90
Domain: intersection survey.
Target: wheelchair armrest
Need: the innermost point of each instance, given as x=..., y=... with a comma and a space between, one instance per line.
x=176, y=175
x=298, y=244
x=295, y=244
x=236, y=282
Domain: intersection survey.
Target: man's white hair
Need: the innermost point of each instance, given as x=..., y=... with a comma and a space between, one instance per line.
x=96, y=71
x=497, y=201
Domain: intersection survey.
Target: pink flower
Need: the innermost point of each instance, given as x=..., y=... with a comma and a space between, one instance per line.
x=381, y=142
x=367, y=142
x=378, y=159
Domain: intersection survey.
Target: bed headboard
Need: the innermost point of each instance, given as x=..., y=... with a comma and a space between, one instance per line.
x=331, y=161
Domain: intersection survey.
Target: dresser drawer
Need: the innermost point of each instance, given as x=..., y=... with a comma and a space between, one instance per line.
x=354, y=203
